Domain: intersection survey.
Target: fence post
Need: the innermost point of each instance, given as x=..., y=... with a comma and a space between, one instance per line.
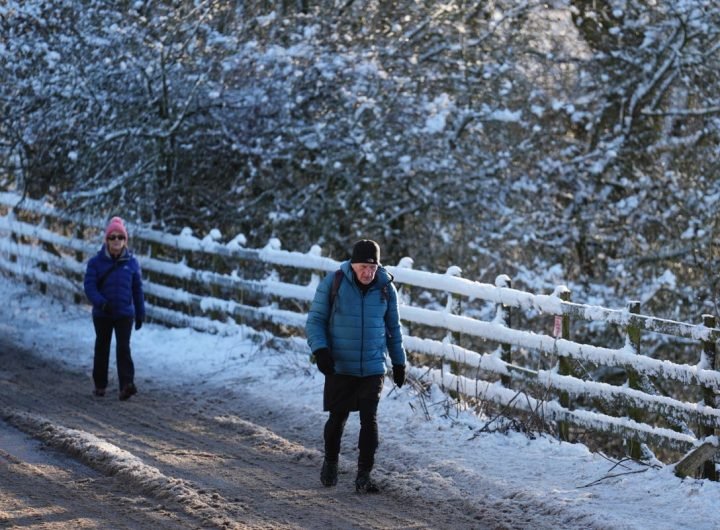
x=633, y=338
x=453, y=306
x=42, y=265
x=709, y=393
x=504, y=317
x=564, y=367
x=13, y=235
x=216, y=264
x=151, y=251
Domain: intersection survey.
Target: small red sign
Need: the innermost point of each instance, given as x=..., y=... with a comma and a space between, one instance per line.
x=557, y=329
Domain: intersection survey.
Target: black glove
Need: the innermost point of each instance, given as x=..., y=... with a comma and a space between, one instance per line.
x=138, y=322
x=324, y=361
x=399, y=374
x=106, y=307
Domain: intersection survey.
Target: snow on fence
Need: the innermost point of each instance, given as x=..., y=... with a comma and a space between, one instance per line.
x=211, y=285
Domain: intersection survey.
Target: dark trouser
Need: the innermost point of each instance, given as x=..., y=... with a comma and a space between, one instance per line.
x=368, y=440
x=104, y=328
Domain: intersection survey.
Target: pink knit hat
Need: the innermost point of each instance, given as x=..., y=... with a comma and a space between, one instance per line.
x=116, y=224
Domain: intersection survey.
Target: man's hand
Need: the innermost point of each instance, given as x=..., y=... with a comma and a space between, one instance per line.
x=324, y=360
x=399, y=374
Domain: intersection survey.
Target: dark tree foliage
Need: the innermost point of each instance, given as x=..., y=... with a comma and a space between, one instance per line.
x=568, y=142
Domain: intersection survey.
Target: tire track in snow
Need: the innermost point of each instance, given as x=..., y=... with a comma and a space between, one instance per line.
x=107, y=458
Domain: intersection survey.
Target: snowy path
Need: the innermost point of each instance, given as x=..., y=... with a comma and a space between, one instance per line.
x=227, y=430
x=192, y=455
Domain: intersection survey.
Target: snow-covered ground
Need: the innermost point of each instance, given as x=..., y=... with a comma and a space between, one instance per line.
x=440, y=444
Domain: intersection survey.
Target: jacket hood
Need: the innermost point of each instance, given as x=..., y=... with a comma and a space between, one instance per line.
x=382, y=276
x=105, y=253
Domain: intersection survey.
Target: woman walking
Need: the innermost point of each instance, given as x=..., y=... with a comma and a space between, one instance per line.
x=113, y=284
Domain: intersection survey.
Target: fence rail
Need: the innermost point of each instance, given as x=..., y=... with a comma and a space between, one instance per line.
x=48, y=247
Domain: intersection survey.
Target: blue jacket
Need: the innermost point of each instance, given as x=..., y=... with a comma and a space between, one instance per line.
x=359, y=329
x=122, y=286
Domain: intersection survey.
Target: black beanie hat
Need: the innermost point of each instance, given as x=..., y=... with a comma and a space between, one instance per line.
x=366, y=251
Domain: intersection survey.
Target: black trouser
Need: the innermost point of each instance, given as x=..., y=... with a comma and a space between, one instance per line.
x=104, y=328
x=368, y=440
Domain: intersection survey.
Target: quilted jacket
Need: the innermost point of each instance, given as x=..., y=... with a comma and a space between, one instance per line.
x=122, y=286
x=359, y=328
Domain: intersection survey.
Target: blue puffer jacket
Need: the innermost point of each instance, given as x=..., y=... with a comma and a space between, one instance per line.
x=122, y=287
x=359, y=329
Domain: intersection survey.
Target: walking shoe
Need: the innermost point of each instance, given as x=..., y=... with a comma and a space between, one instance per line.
x=127, y=391
x=364, y=484
x=328, y=473
x=99, y=392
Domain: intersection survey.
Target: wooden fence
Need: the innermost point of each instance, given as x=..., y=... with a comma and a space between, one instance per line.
x=211, y=286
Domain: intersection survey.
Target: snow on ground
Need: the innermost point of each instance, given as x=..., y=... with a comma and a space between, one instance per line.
x=423, y=441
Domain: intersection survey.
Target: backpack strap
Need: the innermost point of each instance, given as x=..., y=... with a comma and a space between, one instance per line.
x=335, y=287
x=101, y=280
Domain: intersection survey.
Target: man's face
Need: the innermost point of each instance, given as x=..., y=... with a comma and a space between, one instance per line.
x=365, y=272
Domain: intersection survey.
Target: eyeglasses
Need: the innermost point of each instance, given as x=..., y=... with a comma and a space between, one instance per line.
x=113, y=238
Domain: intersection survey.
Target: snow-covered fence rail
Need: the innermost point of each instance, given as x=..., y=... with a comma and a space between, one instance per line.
x=43, y=245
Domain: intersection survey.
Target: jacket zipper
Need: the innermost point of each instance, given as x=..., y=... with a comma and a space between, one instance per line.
x=362, y=333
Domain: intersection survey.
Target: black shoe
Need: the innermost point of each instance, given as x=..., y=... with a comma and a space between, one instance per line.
x=99, y=392
x=364, y=484
x=328, y=473
x=127, y=391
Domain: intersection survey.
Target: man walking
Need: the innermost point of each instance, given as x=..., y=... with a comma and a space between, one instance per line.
x=353, y=322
